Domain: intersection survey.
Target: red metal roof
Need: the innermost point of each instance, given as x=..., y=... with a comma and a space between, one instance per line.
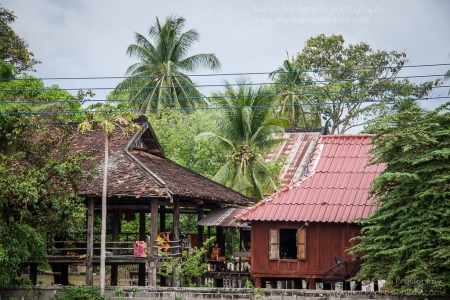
x=335, y=189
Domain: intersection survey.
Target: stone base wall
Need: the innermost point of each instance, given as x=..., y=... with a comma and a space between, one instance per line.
x=170, y=293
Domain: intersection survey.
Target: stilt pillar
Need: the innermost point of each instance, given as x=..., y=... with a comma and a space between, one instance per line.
x=90, y=243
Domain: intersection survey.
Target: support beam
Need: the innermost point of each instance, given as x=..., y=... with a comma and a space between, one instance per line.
x=176, y=232
x=311, y=283
x=200, y=229
x=90, y=243
x=152, y=243
x=116, y=228
x=197, y=201
x=162, y=227
x=200, y=239
x=141, y=275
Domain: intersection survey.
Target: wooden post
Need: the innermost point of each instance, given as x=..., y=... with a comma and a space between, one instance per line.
x=114, y=274
x=298, y=284
x=162, y=219
x=200, y=239
x=152, y=243
x=90, y=243
x=115, y=230
x=115, y=239
x=219, y=237
x=64, y=275
x=200, y=229
x=311, y=283
x=273, y=284
x=176, y=233
x=257, y=282
x=33, y=273
x=162, y=227
x=141, y=276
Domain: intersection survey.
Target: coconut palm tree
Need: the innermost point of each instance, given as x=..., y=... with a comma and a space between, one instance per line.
x=245, y=131
x=157, y=80
x=295, y=105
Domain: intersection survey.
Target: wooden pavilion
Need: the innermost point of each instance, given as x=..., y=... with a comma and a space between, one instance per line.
x=140, y=180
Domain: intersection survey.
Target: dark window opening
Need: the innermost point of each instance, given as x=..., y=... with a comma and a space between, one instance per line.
x=288, y=244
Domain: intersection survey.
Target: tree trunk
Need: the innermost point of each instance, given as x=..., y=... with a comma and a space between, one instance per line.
x=103, y=234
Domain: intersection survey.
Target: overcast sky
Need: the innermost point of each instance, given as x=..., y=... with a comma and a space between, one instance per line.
x=88, y=38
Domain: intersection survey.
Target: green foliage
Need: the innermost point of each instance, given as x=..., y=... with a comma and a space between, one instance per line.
x=258, y=291
x=176, y=133
x=163, y=61
x=79, y=292
x=38, y=190
x=20, y=243
x=183, y=269
x=14, y=49
x=38, y=97
x=118, y=291
x=244, y=132
x=352, y=74
x=295, y=105
x=406, y=240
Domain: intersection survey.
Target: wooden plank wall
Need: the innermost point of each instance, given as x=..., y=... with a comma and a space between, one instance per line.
x=323, y=242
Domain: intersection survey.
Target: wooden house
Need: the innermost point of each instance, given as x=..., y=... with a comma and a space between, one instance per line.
x=140, y=180
x=299, y=232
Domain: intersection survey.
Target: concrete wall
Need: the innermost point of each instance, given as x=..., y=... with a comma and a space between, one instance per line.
x=167, y=293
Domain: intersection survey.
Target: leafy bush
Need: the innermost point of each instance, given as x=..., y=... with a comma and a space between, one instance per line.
x=79, y=292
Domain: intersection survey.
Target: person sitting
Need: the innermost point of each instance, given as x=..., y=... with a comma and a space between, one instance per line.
x=215, y=252
x=162, y=240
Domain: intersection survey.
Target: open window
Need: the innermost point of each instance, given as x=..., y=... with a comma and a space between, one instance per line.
x=289, y=243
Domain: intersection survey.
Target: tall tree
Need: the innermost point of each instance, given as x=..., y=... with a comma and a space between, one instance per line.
x=14, y=49
x=244, y=129
x=291, y=82
x=157, y=80
x=108, y=122
x=406, y=241
x=354, y=83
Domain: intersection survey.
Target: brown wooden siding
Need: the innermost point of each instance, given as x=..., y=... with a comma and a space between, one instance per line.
x=323, y=242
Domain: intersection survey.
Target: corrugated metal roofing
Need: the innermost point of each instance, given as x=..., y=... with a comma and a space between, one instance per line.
x=223, y=217
x=295, y=152
x=335, y=188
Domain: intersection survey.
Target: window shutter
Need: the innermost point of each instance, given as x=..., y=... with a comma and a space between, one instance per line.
x=274, y=245
x=301, y=243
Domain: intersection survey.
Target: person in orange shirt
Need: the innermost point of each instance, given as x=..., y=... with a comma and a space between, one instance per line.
x=215, y=252
x=162, y=240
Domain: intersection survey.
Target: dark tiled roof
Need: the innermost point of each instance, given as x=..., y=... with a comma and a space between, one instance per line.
x=124, y=177
x=186, y=183
x=137, y=166
x=334, y=190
